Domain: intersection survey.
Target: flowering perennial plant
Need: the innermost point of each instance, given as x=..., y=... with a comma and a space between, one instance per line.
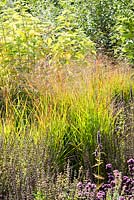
x=117, y=187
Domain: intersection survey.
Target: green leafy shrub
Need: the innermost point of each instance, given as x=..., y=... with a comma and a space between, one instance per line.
x=96, y=18
x=100, y=22
x=21, y=42
x=27, y=37
x=124, y=32
x=68, y=20
x=66, y=41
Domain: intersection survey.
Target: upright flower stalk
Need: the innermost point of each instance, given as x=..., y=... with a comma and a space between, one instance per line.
x=98, y=153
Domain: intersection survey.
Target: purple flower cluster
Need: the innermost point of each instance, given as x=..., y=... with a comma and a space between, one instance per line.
x=128, y=182
x=87, y=190
x=109, y=173
x=100, y=195
x=130, y=163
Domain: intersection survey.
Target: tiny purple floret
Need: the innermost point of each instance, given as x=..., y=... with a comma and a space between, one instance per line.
x=79, y=185
x=109, y=166
x=130, y=161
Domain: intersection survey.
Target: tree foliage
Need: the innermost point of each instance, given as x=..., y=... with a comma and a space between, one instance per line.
x=123, y=36
x=73, y=24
